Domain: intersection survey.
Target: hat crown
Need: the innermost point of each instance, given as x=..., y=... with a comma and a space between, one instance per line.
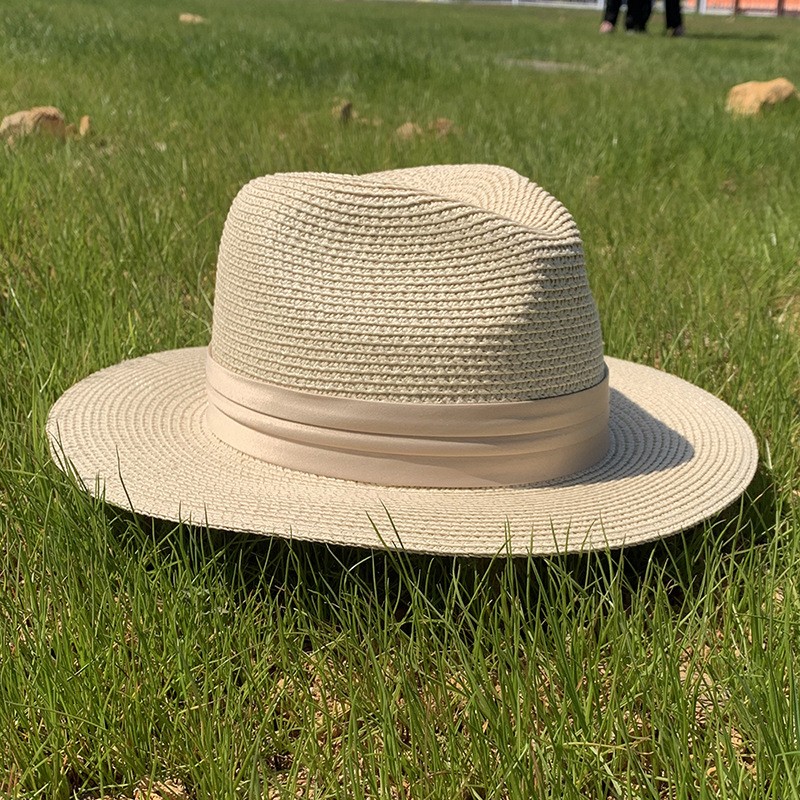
x=435, y=284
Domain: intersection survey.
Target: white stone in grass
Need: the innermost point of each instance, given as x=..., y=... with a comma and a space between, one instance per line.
x=747, y=99
x=41, y=119
x=408, y=130
x=442, y=127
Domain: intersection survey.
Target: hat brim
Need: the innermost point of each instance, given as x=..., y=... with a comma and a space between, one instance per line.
x=136, y=433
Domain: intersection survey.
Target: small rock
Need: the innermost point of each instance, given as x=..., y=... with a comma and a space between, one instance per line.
x=442, y=127
x=408, y=130
x=749, y=98
x=42, y=119
x=343, y=111
x=192, y=19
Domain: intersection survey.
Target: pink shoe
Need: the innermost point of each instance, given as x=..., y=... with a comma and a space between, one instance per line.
x=606, y=27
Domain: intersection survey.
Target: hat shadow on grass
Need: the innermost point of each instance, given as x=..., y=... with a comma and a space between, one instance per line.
x=254, y=563
x=390, y=578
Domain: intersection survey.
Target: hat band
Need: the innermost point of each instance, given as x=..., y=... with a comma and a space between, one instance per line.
x=436, y=445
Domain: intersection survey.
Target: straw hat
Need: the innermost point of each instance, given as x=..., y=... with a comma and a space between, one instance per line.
x=405, y=359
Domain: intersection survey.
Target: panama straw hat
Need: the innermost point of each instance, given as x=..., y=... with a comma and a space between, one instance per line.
x=407, y=359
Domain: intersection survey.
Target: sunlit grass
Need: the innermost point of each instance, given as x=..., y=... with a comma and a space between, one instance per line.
x=247, y=667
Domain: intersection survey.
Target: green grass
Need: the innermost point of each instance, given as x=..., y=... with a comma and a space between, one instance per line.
x=246, y=667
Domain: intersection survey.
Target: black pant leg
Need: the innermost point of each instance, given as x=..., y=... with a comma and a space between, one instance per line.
x=612, y=11
x=638, y=14
x=672, y=8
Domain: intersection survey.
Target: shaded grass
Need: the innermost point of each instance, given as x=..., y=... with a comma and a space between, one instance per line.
x=248, y=667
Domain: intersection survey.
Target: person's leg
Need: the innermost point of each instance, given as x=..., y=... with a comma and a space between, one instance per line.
x=672, y=9
x=638, y=14
x=632, y=13
x=646, y=11
x=610, y=15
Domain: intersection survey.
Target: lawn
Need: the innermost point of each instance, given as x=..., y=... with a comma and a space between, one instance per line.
x=134, y=651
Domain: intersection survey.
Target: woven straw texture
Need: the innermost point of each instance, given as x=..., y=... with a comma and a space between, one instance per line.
x=439, y=284
x=435, y=284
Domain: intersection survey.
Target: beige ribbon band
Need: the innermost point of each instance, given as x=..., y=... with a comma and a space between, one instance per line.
x=440, y=445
